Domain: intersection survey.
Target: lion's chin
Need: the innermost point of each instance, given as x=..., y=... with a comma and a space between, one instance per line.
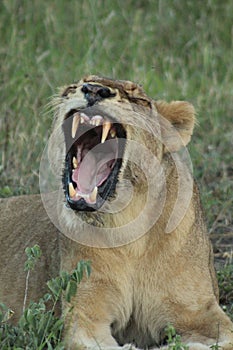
x=94, y=150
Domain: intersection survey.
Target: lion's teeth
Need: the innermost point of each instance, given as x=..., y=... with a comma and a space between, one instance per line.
x=75, y=163
x=84, y=118
x=96, y=120
x=113, y=133
x=105, y=130
x=75, y=124
x=72, y=191
x=93, y=195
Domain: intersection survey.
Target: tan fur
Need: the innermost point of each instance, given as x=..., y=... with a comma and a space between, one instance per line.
x=24, y=223
x=135, y=289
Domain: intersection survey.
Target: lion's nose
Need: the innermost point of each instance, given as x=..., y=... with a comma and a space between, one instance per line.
x=94, y=93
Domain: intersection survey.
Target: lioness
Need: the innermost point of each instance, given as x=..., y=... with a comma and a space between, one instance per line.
x=130, y=206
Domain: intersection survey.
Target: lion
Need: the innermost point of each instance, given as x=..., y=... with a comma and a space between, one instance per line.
x=126, y=201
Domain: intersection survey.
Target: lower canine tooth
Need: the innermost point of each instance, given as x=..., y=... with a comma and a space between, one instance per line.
x=93, y=195
x=72, y=191
x=106, y=128
x=112, y=133
x=75, y=124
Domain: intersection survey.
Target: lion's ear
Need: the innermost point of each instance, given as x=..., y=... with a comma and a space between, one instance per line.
x=178, y=125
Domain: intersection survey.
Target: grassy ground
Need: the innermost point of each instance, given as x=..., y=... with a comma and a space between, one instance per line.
x=175, y=49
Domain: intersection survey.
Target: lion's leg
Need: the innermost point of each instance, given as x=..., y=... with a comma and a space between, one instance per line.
x=99, y=337
x=101, y=299
x=88, y=326
x=95, y=337
x=92, y=311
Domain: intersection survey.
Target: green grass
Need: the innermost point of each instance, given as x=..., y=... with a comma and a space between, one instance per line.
x=38, y=328
x=176, y=49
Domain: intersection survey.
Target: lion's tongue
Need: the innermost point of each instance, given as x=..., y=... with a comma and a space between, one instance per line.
x=92, y=171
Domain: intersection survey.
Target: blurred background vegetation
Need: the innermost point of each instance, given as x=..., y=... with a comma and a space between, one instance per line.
x=177, y=49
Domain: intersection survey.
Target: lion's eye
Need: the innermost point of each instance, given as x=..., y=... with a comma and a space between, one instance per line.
x=68, y=90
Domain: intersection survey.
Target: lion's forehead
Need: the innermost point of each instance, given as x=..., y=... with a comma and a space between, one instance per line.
x=112, y=83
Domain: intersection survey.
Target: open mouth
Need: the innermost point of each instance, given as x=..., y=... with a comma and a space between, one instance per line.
x=95, y=146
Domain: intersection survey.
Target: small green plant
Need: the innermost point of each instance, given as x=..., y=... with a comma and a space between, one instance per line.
x=33, y=254
x=215, y=347
x=38, y=328
x=174, y=340
x=67, y=283
x=5, y=313
x=225, y=281
x=5, y=191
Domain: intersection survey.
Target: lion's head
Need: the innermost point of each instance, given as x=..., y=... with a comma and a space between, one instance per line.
x=97, y=132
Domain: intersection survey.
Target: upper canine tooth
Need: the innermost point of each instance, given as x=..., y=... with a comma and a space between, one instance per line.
x=72, y=191
x=106, y=127
x=75, y=162
x=75, y=123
